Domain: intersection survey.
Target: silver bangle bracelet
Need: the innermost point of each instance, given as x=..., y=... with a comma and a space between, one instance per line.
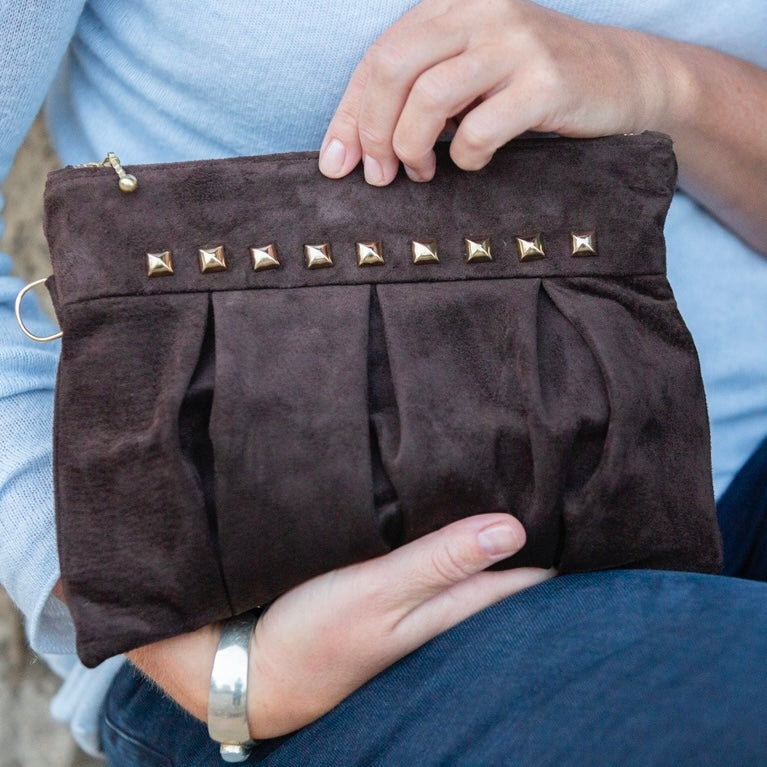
x=228, y=697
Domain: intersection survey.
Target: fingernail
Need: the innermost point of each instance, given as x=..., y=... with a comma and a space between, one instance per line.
x=332, y=157
x=499, y=540
x=413, y=174
x=426, y=169
x=373, y=171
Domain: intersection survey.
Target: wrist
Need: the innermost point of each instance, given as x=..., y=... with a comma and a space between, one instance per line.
x=657, y=83
x=678, y=98
x=228, y=701
x=181, y=666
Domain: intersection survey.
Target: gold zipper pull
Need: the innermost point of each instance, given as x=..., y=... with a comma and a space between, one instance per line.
x=128, y=182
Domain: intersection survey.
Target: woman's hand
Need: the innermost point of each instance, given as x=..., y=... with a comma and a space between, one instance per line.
x=503, y=67
x=322, y=640
x=493, y=69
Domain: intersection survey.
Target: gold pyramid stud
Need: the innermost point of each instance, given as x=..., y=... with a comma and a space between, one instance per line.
x=477, y=250
x=530, y=248
x=212, y=259
x=424, y=252
x=264, y=258
x=159, y=264
x=369, y=254
x=584, y=243
x=318, y=256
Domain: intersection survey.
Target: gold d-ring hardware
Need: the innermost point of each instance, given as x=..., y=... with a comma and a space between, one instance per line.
x=17, y=307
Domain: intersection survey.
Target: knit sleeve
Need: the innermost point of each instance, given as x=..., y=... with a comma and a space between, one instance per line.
x=35, y=35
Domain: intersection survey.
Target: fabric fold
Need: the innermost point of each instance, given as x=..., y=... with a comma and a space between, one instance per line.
x=136, y=521
x=653, y=471
x=289, y=427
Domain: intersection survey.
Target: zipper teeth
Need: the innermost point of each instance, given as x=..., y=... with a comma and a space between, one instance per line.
x=103, y=164
x=286, y=157
x=300, y=155
x=289, y=158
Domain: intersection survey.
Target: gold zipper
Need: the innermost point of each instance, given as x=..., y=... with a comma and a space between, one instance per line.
x=128, y=182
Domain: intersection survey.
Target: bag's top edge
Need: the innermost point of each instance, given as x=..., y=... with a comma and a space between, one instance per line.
x=70, y=172
x=529, y=202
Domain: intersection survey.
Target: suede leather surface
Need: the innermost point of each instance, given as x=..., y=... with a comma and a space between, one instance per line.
x=222, y=437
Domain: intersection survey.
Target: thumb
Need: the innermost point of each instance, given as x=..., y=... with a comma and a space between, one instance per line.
x=438, y=561
x=341, y=148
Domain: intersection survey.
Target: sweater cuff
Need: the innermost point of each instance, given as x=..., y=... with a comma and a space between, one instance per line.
x=49, y=624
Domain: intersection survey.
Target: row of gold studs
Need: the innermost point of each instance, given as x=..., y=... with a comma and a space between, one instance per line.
x=369, y=254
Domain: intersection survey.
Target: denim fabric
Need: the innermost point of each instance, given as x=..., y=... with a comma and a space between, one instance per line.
x=742, y=514
x=613, y=668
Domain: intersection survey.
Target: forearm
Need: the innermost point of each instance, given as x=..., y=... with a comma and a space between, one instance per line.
x=28, y=560
x=33, y=40
x=715, y=109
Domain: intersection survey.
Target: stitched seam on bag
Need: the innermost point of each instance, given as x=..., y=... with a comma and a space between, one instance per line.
x=194, y=291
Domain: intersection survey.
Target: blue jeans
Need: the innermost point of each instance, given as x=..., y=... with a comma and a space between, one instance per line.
x=618, y=669
x=742, y=513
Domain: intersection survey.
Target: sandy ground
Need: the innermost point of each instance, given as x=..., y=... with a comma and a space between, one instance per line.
x=28, y=735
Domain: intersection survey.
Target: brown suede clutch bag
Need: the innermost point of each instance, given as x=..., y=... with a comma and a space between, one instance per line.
x=266, y=374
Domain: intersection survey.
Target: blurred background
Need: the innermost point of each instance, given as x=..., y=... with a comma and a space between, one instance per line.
x=28, y=735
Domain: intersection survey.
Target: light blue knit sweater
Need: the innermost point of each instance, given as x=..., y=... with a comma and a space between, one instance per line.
x=186, y=79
